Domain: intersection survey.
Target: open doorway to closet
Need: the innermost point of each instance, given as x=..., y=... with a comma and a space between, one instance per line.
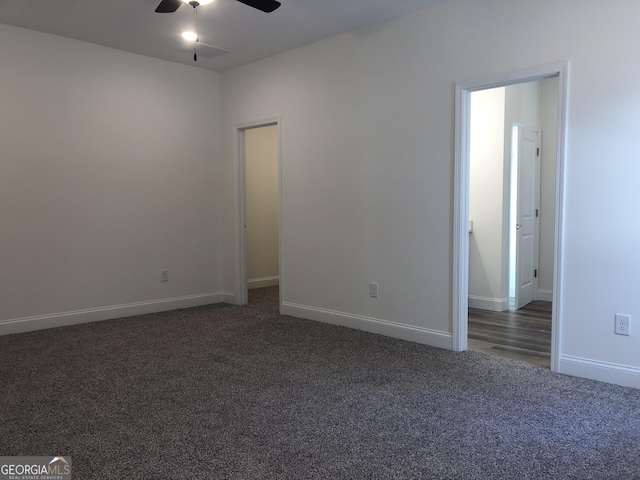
x=262, y=193
x=258, y=216
x=509, y=162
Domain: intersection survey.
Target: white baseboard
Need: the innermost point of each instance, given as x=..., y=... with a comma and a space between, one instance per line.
x=486, y=303
x=263, y=282
x=602, y=371
x=40, y=322
x=544, y=295
x=229, y=297
x=411, y=333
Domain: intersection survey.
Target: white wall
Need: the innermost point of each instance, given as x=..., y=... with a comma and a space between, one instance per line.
x=261, y=166
x=486, y=200
x=521, y=104
x=549, y=122
x=368, y=156
x=108, y=175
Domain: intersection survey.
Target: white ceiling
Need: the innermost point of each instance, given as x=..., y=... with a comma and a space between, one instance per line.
x=246, y=33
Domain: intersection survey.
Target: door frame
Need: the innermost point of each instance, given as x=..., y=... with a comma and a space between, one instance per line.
x=460, y=270
x=240, y=186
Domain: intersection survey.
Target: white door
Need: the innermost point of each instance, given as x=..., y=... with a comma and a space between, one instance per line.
x=527, y=216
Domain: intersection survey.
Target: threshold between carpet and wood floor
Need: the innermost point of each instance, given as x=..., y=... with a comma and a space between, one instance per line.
x=241, y=392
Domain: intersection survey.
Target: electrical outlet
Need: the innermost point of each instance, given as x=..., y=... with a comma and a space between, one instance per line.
x=623, y=324
x=164, y=275
x=373, y=290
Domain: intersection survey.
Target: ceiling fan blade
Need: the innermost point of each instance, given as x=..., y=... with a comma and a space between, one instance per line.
x=263, y=5
x=168, y=6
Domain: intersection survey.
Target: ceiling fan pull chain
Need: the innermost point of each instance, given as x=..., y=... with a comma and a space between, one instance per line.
x=195, y=26
x=195, y=20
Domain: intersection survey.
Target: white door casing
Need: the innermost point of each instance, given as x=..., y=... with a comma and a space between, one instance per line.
x=460, y=265
x=241, y=286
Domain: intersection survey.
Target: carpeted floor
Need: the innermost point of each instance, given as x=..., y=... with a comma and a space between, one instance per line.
x=228, y=392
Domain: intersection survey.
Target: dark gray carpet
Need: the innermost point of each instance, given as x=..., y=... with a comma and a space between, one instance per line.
x=244, y=393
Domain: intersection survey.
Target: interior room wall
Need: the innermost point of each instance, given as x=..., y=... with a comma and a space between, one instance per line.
x=548, y=159
x=109, y=174
x=367, y=174
x=521, y=106
x=261, y=166
x=486, y=199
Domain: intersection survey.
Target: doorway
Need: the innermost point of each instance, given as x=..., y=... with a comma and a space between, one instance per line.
x=504, y=205
x=258, y=214
x=462, y=224
x=262, y=212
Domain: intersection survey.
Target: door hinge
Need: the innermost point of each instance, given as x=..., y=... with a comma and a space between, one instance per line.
x=535, y=273
x=538, y=152
x=536, y=212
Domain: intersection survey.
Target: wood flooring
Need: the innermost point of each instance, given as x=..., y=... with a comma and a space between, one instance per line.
x=523, y=334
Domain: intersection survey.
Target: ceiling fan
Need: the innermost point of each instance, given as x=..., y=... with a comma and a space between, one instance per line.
x=170, y=6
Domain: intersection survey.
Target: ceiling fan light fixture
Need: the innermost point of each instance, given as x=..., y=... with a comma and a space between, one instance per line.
x=200, y=2
x=170, y=6
x=190, y=36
